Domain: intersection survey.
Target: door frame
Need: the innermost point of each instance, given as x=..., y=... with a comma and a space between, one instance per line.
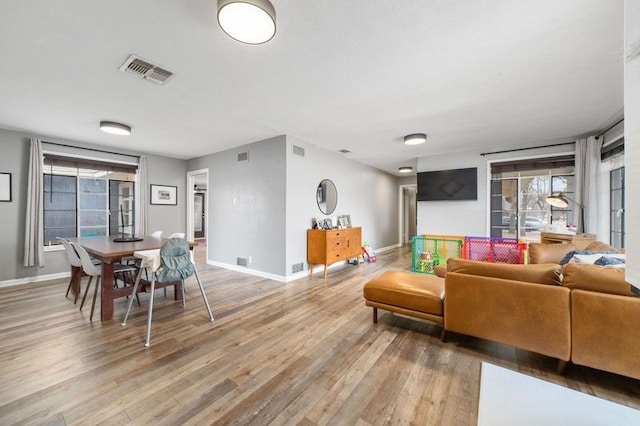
x=401, y=212
x=190, y=206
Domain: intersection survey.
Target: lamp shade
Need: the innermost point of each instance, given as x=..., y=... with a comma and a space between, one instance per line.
x=247, y=21
x=415, y=139
x=558, y=200
x=115, y=128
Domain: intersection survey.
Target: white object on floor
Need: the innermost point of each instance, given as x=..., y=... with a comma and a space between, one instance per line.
x=511, y=398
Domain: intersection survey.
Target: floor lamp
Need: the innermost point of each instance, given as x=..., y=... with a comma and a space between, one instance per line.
x=561, y=201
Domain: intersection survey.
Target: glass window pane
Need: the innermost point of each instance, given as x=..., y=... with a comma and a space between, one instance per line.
x=95, y=186
x=59, y=201
x=93, y=202
x=616, y=200
x=51, y=235
x=60, y=219
x=93, y=232
x=92, y=218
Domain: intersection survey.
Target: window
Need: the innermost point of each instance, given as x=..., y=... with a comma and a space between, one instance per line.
x=616, y=196
x=518, y=192
x=83, y=198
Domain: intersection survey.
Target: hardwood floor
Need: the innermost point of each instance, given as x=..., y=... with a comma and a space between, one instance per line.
x=305, y=353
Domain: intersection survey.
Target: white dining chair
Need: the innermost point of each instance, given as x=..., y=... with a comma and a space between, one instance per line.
x=76, y=269
x=177, y=235
x=92, y=271
x=168, y=264
x=157, y=234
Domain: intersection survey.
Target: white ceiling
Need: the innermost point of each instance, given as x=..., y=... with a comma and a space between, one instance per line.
x=340, y=74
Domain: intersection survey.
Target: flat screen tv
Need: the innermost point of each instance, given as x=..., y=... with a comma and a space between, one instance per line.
x=458, y=184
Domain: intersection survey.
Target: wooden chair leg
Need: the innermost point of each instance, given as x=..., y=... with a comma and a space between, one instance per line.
x=375, y=315
x=443, y=335
x=86, y=290
x=95, y=293
x=561, y=366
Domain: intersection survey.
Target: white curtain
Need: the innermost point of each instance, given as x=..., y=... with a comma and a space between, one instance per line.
x=143, y=192
x=587, y=169
x=34, y=226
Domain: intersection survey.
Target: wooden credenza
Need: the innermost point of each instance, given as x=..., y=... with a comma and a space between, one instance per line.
x=329, y=246
x=581, y=241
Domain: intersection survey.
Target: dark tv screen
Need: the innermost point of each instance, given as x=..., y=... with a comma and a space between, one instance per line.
x=458, y=184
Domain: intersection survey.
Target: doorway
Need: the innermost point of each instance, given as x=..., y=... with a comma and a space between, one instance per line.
x=198, y=215
x=197, y=209
x=407, y=214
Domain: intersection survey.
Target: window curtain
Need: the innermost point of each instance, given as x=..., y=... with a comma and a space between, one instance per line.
x=143, y=193
x=34, y=226
x=587, y=169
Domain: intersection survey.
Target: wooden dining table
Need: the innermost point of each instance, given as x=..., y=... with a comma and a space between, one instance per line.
x=110, y=252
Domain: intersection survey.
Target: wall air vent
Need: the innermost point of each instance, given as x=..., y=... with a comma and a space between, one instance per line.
x=297, y=267
x=241, y=261
x=298, y=150
x=345, y=151
x=144, y=69
x=243, y=156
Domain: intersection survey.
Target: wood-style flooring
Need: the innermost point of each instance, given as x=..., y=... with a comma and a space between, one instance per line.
x=304, y=352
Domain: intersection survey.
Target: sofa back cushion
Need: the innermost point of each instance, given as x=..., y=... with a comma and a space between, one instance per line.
x=548, y=253
x=595, y=278
x=547, y=273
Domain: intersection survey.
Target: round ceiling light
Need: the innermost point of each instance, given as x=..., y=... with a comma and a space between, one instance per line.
x=248, y=21
x=415, y=139
x=115, y=128
x=405, y=169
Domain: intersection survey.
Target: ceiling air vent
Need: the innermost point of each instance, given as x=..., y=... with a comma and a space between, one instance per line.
x=144, y=69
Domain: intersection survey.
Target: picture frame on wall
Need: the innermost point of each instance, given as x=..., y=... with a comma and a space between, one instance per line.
x=164, y=195
x=5, y=187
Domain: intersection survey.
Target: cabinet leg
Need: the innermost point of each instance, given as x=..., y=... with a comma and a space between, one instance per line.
x=375, y=315
x=325, y=271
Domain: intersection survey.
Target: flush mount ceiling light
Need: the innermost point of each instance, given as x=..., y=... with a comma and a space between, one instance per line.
x=415, y=139
x=115, y=128
x=405, y=169
x=248, y=21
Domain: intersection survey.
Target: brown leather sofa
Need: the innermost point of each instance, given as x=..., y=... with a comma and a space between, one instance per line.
x=589, y=317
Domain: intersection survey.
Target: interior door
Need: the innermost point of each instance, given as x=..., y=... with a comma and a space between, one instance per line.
x=198, y=215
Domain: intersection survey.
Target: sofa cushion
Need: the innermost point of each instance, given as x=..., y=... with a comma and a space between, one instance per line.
x=409, y=290
x=595, y=278
x=600, y=246
x=545, y=273
x=584, y=256
x=548, y=253
x=614, y=261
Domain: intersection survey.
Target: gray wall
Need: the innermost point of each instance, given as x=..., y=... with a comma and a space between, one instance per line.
x=246, y=202
x=14, y=147
x=262, y=208
x=369, y=195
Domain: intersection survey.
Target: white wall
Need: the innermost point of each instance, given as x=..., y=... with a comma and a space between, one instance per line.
x=632, y=140
x=467, y=217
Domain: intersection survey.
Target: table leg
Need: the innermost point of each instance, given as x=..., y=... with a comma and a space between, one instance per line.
x=106, y=299
x=177, y=291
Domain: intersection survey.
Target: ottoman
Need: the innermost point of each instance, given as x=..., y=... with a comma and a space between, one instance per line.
x=408, y=293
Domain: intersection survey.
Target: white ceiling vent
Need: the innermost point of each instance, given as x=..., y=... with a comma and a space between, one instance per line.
x=139, y=67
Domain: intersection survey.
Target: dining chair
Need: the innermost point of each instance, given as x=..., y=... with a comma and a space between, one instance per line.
x=76, y=269
x=92, y=271
x=157, y=234
x=177, y=235
x=168, y=264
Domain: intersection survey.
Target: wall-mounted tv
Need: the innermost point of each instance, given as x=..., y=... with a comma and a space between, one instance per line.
x=458, y=184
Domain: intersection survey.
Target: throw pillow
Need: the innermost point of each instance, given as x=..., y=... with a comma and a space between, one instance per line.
x=610, y=261
x=569, y=257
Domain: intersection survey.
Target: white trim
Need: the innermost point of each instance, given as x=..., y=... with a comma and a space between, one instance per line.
x=58, y=247
x=36, y=279
x=248, y=271
x=387, y=248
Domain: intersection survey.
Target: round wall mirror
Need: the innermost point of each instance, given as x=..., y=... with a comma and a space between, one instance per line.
x=327, y=196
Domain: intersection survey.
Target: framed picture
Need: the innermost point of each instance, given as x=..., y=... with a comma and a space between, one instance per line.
x=5, y=186
x=164, y=195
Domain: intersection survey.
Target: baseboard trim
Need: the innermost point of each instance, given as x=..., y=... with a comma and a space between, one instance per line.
x=36, y=279
x=387, y=248
x=247, y=271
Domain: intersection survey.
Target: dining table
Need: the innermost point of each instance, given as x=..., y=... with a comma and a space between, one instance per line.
x=110, y=252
